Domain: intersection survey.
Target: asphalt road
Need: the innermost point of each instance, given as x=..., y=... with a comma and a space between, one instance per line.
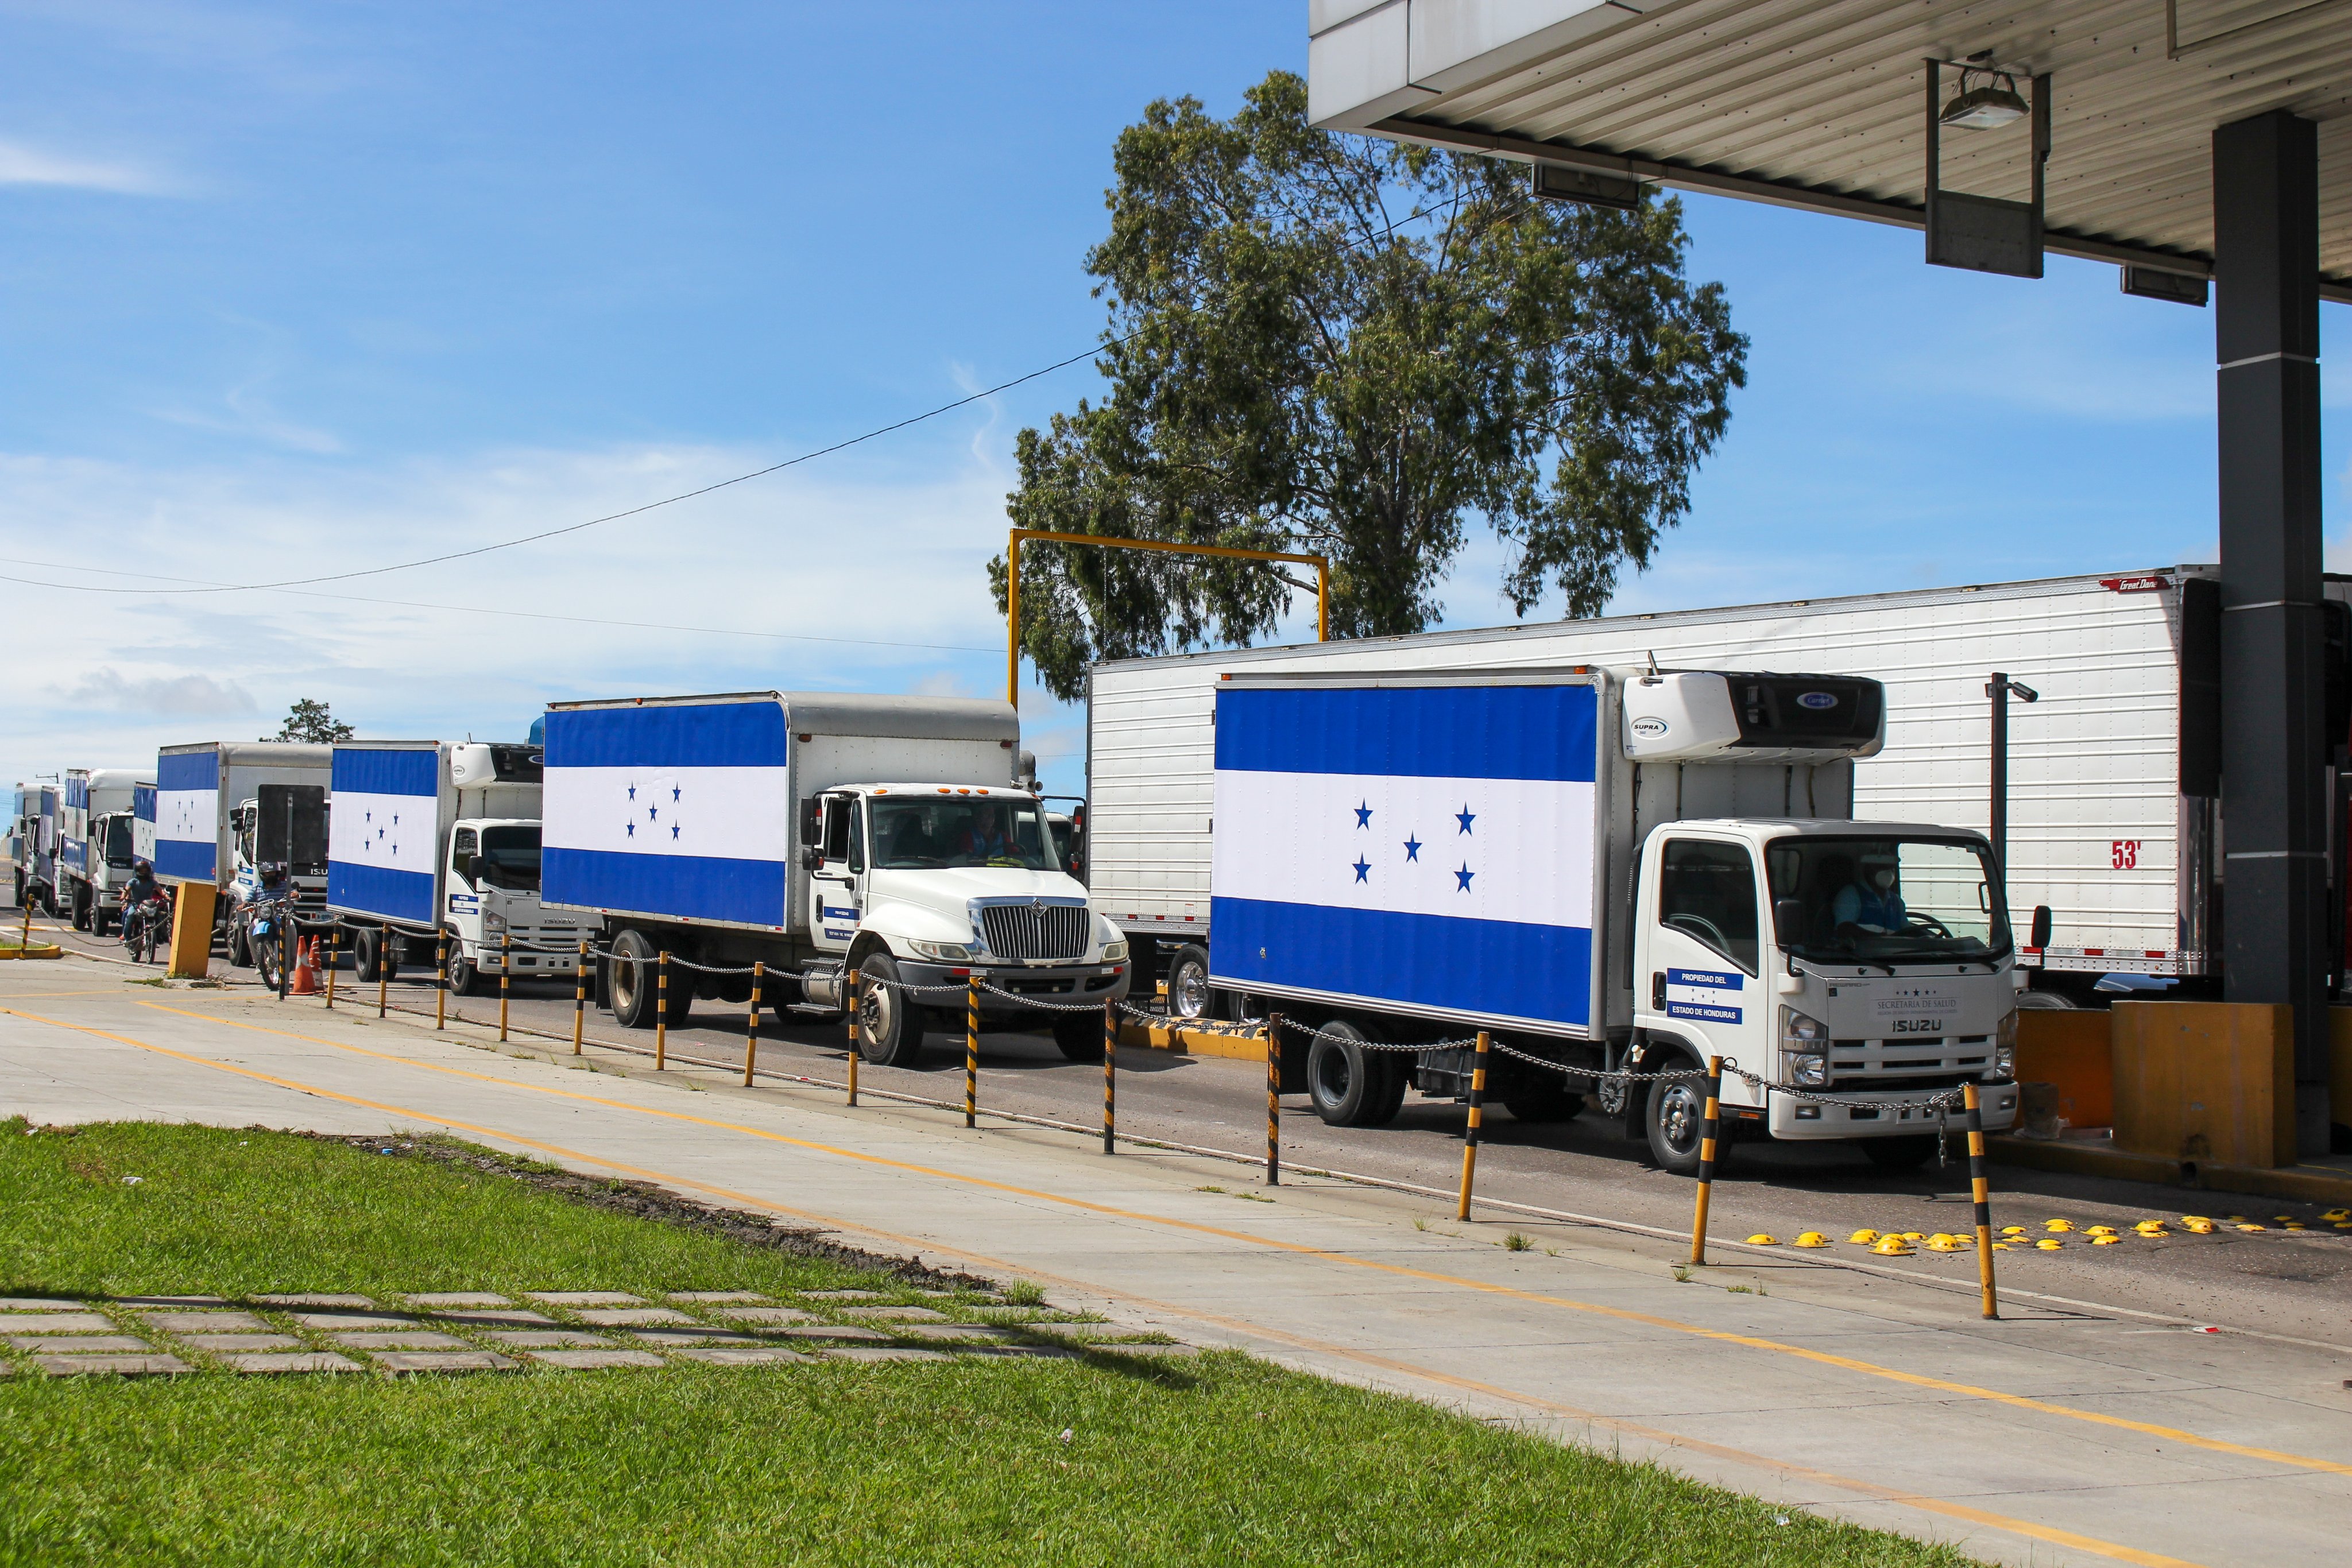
x=2295, y=1283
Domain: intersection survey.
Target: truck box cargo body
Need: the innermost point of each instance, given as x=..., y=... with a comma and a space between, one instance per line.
x=2101, y=828
x=224, y=808
x=411, y=819
x=96, y=844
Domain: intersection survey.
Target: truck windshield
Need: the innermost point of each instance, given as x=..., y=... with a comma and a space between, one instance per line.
x=915, y=834
x=118, y=842
x=510, y=858
x=1885, y=900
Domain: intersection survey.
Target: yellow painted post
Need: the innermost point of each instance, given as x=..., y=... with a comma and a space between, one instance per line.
x=1470, y=1133
x=334, y=941
x=506, y=970
x=580, y=997
x=661, y=1014
x=441, y=968
x=751, y=1028
x=1706, y=1157
x=854, y=976
x=1982, y=1194
x=1110, y=1074
x=1273, y=1100
x=971, y=1051
x=192, y=929
x=383, y=971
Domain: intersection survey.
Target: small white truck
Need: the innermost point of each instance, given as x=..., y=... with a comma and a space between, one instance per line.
x=1621, y=870
x=95, y=843
x=440, y=840
x=824, y=835
x=225, y=809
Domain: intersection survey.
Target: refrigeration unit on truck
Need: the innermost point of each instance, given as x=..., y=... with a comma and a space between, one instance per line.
x=2113, y=774
x=1617, y=871
x=96, y=844
x=224, y=809
x=433, y=840
x=824, y=835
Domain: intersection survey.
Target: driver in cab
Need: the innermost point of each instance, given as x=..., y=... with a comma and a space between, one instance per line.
x=987, y=836
x=1870, y=901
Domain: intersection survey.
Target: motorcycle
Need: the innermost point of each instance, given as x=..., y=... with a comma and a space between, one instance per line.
x=269, y=922
x=143, y=927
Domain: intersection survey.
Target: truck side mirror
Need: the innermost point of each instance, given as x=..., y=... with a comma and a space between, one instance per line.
x=812, y=859
x=473, y=868
x=1788, y=920
x=2040, y=936
x=812, y=823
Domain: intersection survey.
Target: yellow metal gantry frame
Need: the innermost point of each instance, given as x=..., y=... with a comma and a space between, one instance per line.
x=1322, y=565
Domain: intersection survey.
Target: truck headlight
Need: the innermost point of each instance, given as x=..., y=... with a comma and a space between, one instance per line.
x=493, y=922
x=1804, y=1050
x=1115, y=952
x=2004, y=1047
x=945, y=952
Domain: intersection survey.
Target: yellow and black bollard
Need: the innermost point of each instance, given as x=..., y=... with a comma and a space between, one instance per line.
x=580, y=997
x=1274, y=1099
x=335, y=940
x=1708, y=1129
x=854, y=976
x=506, y=970
x=1470, y=1133
x=661, y=1012
x=971, y=1052
x=751, y=1024
x=1982, y=1194
x=383, y=971
x=441, y=968
x=1110, y=1074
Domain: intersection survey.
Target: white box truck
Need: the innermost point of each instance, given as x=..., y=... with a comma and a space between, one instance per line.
x=823, y=834
x=1619, y=872
x=2113, y=774
x=436, y=837
x=224, y=808
x=96, y=844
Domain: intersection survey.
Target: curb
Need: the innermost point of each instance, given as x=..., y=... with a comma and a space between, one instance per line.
x=2307, y=1183
x=1232, y=1042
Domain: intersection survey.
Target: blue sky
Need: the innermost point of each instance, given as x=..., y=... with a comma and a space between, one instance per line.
x=298, y=288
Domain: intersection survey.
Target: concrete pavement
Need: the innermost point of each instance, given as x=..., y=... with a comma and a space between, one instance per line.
x=2054, y=1436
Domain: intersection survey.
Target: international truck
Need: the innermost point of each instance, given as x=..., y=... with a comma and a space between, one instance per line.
x=224, y=809
x=437, y=841
x=96, y=844
x=40, y=823
x=2113, y=816
x=828, y=836
x=1624, y=871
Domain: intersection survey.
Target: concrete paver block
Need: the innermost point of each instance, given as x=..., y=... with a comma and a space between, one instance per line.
x=829, y=1331
x=741, y=1355
x=316, y=1301
x=885, y=1353
x=596, y=1360
x=709, y=1296
x=586, y=1298
x=1051, y=1352
x=692, y=1334
x=896, y=1314
x=169, y=1302
x=436, y=1300
x=422, y=1340
x=57, y=1322
x=489, y=1318
x=545, y=1339
x=72, y=1343
x=765, y=1315
x=220, y=1343
x=293, y=1361
x=443, y=1360
x=206, y=1322
x=623, y=1317
x=121, y=1365
x=841, y=1295
x=338, y=1323
x=40, y=1304
x=952, y=1330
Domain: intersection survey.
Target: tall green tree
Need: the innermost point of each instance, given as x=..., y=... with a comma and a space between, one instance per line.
x=1347, y=346
x=309, y=719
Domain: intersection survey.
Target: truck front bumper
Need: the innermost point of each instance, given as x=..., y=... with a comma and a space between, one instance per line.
x=536, y=958
x=1058, y=984
x=1882, y=1112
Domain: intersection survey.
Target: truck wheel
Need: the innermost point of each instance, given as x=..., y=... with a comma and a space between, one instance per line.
x=81, y=909
x=1079, y=1035
x=889, y=1021
x=632, y=980
x=1677, y=1119
x=367, y=952
x=1544, y=1099
x=1904, y=1153
x=1188, y=983
x=463, y=979
x=240, y=944
x=1350, y=1086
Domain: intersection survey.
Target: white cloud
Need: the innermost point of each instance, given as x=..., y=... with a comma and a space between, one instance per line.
x=23, y=165
x=168, y=696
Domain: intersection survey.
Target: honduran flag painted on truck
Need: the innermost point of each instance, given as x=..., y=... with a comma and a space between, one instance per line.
x=187, y=815
x=1428, y=846
x=677, y=809
x=383, y=835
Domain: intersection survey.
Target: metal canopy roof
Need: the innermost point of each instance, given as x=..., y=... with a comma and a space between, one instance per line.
x=1822, y=104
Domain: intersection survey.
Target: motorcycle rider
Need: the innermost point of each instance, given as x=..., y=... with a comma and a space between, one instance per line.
x=142, y=887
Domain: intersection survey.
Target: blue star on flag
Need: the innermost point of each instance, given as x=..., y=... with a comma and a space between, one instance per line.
x=653, y=812
x=1464, y=876
x=1363, y=814
x=1466, y=816
x=673, y=831
x=633, y=829
x=675, y=792
x=633, y=791
x=1413, y=848
x=1364, y=869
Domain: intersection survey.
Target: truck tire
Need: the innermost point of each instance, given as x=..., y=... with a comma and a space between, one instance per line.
x=1079, y=1035
x=889, y=1022
x=81, y=909
x=1350, y=1086
x=1676, y=1121
x=240, y=944
x=463, y=979
x=1542, y=1097
x=1188, y=983
x=1904, y=1153
x=367, y=952
x=632, y=980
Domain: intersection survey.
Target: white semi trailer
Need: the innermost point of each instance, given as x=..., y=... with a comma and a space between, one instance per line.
x=2113, y=774
x=225, y=809
x=96, y=844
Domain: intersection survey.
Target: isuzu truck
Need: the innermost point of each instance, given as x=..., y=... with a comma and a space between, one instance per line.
x=224, y=809
x=824, y=835
x=1619, y=871
x=433, y=840
x=96, y=844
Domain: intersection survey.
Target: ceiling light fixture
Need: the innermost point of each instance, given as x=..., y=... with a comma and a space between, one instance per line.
x=1987, y=108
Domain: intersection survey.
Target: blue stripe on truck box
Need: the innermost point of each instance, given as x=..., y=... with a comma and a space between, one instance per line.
x=747, y=892
x=188, y=770
x=186, y=859
x=372, y=771
x=1490, y=968
x=379, y=890
x=673, y=734
x=1440, y=732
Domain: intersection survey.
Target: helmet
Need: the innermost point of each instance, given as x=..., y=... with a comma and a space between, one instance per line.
x=143, y=868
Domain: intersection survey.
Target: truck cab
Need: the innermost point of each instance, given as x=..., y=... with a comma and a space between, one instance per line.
x=929, y=885
x=1867, y=964
x=491, y=907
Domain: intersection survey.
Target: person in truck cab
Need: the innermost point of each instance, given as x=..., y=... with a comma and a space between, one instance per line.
x=1870, y=901
x=986, y=835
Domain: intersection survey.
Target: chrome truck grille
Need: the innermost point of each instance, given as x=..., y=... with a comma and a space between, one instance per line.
x=1035, y=929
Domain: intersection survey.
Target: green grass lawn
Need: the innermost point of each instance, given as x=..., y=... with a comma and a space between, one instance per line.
x=1218, y=1459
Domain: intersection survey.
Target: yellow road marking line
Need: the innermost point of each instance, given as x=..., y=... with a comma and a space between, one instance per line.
x=1621, y=1314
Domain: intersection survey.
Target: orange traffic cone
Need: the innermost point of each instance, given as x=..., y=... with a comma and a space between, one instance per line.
x=306, y=969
